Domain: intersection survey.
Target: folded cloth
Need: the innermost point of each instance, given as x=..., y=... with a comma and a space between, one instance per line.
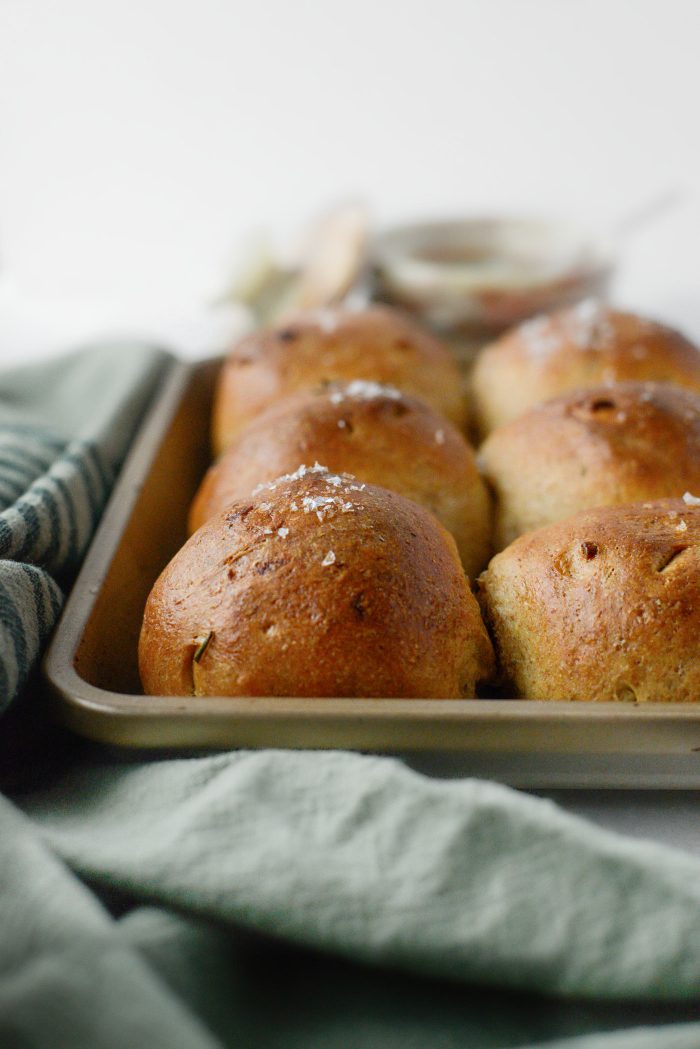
x=360, y=855
x=281, y=899
x=64, y=428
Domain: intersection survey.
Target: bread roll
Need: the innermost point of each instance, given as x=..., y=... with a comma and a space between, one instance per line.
x=572, y=349
x=316, y=585
x=602, y=606
x=616, y=444
x=378, y=344
x=374, y=432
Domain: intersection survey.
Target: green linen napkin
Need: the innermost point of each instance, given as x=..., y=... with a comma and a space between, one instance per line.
x=282, y=899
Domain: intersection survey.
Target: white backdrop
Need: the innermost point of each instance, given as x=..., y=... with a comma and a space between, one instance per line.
x=141, y=139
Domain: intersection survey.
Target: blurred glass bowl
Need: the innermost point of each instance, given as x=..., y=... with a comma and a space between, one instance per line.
x=477, y=277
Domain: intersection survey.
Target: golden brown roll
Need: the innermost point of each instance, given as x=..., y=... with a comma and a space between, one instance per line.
x=602, y=606
x=316, y=585
x=573, y=349
x=381, y=436
x=611, y=444
x=379, y=344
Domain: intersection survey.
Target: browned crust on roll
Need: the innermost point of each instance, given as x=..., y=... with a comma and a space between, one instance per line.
x=381, y=436
x=600, y=447
x=602, y=606
x=364, y=595
x=379, y=344
x=576, y=348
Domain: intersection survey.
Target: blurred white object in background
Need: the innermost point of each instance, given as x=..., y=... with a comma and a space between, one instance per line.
x=481, y=275
x=323, y=269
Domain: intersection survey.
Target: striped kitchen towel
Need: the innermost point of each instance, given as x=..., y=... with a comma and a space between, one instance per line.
x=64, y=429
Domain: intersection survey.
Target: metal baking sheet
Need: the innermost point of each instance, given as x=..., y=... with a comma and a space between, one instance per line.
x=91, y=665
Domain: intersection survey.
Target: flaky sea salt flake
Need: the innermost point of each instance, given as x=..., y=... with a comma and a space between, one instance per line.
x=539, y=339
x=364, y=390
x=327, y=320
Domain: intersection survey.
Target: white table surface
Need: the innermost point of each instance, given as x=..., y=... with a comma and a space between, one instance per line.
x=669, y=817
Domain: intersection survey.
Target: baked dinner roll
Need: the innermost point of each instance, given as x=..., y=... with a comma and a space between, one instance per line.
x=604, y=605
x=611, y=444
x=572, y=349
x=315, y=585
x=380, y=344
x=374, y=432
